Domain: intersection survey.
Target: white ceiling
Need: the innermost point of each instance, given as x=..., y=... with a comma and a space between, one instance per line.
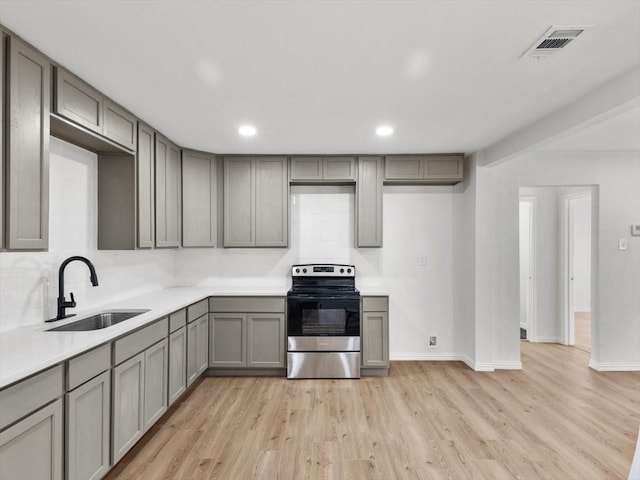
x=319, y=76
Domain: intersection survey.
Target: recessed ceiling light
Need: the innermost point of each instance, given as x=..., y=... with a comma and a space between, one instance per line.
x=384, y=130
x=247, y=130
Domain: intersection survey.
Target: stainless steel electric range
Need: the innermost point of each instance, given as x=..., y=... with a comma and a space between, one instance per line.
x=323, y=322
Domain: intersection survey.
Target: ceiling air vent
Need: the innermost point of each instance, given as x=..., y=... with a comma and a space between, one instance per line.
x=554, y=39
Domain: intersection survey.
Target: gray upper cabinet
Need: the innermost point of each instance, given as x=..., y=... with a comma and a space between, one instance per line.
x=272, y=202
x=78, y=101
x=168, y=199
x=27, y=146
x=32, y=448
x=423, y=169
x=239, y=202
x=256, y=202
x=145, y=183
x=199, y=199
x=369, y=202
x=315, y=169
x=119, y=125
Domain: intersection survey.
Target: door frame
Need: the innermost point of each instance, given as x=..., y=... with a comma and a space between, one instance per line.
x=532, y=313
x=568, y=320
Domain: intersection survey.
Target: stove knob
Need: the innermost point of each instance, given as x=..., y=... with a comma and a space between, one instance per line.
x=348, y=270
x=297, y=270
x=342, y=270
x=304, y=270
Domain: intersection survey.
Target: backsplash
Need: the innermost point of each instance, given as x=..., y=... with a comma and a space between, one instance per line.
x=417, y=229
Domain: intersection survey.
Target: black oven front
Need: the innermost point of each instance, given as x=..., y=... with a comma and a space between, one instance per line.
x=316, y=315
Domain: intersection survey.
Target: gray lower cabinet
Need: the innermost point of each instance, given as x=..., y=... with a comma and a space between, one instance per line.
x=3, y=123
x=369, y=202
x=197, y=348
x=32, y=448
x=199, y=199
x=156, y=376
x=27, y=148
x=265, y=340
x=375, y=332
x=318, y=169
x=247, y=332
x=88, y=429
x=256, y=202
x=423, y=169
x=168, y=193
x=227, y=340
x=177, y=364
x=128, y=405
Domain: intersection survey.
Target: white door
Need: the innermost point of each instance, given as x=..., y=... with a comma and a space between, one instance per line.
x=527, y=207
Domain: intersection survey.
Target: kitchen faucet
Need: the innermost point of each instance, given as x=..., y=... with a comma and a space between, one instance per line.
x=62, y=303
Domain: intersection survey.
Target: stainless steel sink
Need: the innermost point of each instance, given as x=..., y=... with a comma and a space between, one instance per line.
x=98, y=321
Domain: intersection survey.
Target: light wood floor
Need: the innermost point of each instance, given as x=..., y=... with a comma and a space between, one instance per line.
x=555, y=419
x=582, y=329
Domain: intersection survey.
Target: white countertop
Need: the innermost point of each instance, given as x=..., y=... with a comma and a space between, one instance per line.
x=30, y=349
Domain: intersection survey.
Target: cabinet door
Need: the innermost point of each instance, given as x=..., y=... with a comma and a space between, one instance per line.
x=441, y=168
x=272, y=202
x=156, y=374
x=199, y=200
x=28, y=148
x=306, y=168
x=128, y=405
x=375, y=339
x=119, y=125
x=88, y=414
x=78, y=101
x=227, y=340
x=239, y=204
x=192, y=353
x=146, y=187
x=177, y=364
x=369, y=202
x=339, y=168
x=168, y=193
x=202, y=344
x=404, y=167
x=32, y=448
x=265, y=340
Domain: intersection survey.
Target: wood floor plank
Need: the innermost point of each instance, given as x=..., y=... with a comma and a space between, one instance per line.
x=555, y=419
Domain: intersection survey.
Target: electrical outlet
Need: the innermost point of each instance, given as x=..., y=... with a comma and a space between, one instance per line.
x=622, y=244
x=433, y=341
x=421, y=261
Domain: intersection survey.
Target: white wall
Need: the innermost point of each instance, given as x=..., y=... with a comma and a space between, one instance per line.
x=616, y=274
x=418, y=222
x=582, y=253
x=29, y=280
x=524, y=216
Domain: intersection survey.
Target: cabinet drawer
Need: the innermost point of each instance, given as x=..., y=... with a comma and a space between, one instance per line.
x=128, y=346
x=177, y=320
x=119, y=125
x=375, y=304
x=29, y=395
x=247, y=304
x=197, y=310
x=88, y=365
x=78, y=101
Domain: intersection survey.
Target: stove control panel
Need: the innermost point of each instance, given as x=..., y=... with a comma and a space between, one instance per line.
x=323, y=270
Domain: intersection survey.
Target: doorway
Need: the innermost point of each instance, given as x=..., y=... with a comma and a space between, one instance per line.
x=577, y=258
x=527, y=265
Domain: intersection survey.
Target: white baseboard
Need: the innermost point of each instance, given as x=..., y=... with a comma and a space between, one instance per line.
x=544, y=340
x=442, y=357
x=614, y=366
x=507, y=365
x=452, y=357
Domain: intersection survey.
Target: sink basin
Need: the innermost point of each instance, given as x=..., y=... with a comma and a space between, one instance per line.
x=98, y=321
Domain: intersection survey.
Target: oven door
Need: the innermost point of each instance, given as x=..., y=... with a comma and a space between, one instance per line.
x=323, y=316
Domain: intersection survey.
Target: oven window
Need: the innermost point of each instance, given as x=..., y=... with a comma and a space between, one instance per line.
x=328, y=321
